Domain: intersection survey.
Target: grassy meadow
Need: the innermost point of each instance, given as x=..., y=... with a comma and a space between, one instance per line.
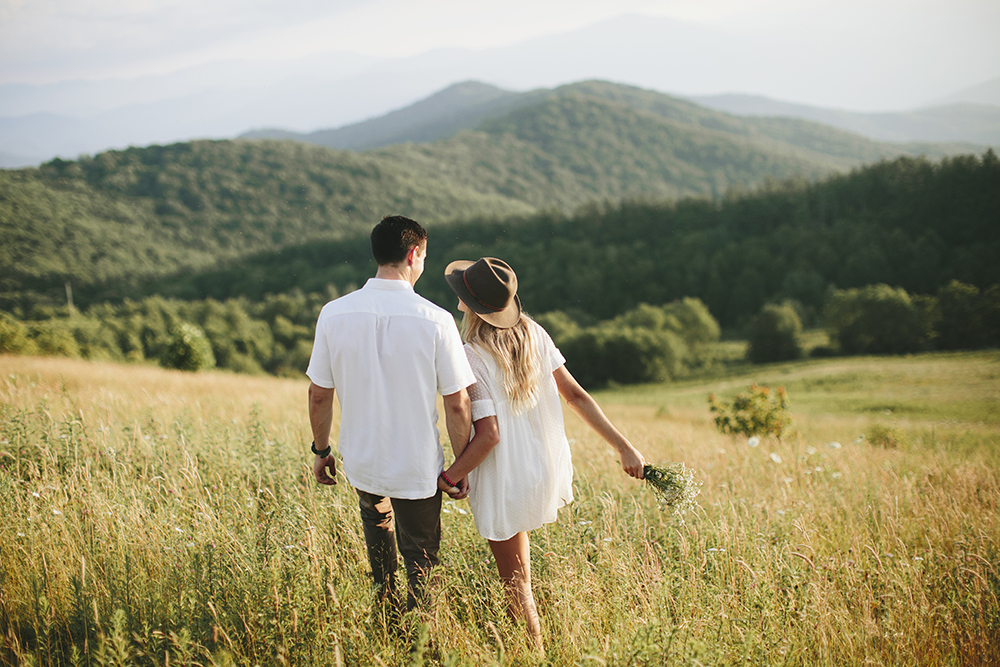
x=157, y=517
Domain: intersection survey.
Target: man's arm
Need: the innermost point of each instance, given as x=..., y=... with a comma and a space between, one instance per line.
x=458, y=421
x=321, y=420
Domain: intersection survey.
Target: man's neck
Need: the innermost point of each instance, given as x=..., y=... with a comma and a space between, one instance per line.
x=394, y=272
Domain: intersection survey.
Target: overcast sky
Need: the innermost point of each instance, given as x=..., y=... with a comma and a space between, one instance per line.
x=951, y=42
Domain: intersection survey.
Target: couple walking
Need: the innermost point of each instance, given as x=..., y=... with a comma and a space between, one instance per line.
x=387, y=353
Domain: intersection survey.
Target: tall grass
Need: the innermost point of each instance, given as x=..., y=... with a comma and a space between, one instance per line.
x=156, y=517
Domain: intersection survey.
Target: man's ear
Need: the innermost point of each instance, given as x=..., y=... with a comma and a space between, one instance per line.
x=411, y=254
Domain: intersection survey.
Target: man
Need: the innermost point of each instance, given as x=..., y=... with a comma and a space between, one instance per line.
x=386, y=353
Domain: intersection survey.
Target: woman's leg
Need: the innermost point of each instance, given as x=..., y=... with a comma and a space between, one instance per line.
x=514, y=564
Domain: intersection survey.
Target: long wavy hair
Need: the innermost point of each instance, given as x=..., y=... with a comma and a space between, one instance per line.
x=513, y=350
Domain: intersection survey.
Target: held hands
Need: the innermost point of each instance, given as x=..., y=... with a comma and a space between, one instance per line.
x=457, y=492
x=320, y=467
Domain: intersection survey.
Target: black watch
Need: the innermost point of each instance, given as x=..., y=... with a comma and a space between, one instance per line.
x=322, y=453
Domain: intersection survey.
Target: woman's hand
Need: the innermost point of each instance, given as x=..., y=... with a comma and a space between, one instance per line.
x=455, y=492
x=632, y=461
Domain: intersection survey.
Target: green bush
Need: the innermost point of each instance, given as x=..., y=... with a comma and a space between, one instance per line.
x=883, y=436
x=774, y=335
x=969, y=319
x=753, y=412
x=560, y=326
x=878, y=319
x=55, y=337
x=189, y=349
x=15, y=337
x=626, y=355
x=697, y=326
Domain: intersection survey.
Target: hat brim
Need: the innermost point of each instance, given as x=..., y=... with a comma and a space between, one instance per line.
x=501, y=319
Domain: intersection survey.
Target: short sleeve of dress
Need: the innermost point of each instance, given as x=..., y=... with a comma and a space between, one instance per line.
x=479, y=393
x=551, y=357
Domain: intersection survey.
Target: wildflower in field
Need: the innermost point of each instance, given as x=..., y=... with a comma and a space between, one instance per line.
x=753, y=441
x=775, y=457
x=674, y=485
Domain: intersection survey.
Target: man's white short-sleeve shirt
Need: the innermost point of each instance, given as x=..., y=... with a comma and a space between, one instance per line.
x=388, y=352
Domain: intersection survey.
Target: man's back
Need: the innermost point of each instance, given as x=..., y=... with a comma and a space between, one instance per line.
x=388, y=352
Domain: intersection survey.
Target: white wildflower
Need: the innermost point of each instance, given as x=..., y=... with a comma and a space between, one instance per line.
x=674, y=485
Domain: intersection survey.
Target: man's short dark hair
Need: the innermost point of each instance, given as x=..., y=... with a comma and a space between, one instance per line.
x=393, y=237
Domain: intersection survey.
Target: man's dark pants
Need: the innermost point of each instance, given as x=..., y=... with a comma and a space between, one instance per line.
x=417, y=533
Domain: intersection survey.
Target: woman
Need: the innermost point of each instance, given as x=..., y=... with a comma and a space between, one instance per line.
x=518, y=460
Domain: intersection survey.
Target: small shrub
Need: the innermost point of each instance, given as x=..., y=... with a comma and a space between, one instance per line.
x=884, y=436
x=189, y=349
x=753, y=412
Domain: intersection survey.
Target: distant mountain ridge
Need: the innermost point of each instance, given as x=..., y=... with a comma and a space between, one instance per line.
x=460, y=106
x=465, y=105
x=158, y=210
x=978, y=123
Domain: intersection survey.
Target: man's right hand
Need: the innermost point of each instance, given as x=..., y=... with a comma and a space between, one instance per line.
x=320, y=467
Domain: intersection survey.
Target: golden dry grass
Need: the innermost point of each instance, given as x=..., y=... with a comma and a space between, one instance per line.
x=153, y=516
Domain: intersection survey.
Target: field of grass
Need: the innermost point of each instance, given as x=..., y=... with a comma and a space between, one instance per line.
x=157, y=517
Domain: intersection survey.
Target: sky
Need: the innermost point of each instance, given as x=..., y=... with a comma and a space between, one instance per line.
x=951, y=42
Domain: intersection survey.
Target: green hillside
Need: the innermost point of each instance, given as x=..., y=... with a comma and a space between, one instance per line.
x=153, y=211
x=125, y=216
x=910, y=222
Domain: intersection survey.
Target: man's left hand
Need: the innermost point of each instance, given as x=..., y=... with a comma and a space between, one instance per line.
x=320, y=467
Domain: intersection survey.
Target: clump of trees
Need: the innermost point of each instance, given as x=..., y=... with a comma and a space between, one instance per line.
x=273, y=336
x=774, y=334
x=646, y=344
x=880, y=319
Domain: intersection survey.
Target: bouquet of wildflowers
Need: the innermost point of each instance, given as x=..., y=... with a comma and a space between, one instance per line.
x=674, y=485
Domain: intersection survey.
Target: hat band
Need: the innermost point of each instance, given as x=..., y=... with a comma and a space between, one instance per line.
x=476, y=296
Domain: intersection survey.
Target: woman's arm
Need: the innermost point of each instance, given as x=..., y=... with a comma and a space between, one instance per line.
x=586, y=407
x=485, y=439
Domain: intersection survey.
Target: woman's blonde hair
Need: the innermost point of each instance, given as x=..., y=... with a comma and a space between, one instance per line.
x=513, y=350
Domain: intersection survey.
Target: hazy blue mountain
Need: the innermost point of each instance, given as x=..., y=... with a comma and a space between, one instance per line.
x=977, y=123
x=987, y=92
x=469, y=104
x=332, y=90
x=458, y=107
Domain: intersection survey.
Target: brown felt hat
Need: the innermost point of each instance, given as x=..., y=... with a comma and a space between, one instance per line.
x=488, y=287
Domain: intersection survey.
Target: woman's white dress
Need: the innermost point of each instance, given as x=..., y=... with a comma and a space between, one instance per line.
x=528, y=475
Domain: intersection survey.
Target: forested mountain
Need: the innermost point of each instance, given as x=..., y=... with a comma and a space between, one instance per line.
x=465, y=105
x=910, y=223
x=122, y=216
x=458, y=107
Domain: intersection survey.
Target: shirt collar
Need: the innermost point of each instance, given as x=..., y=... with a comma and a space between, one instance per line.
x=395, y=285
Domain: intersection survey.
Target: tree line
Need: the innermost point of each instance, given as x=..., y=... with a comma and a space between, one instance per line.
x=909, y=223
x=929, y=231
